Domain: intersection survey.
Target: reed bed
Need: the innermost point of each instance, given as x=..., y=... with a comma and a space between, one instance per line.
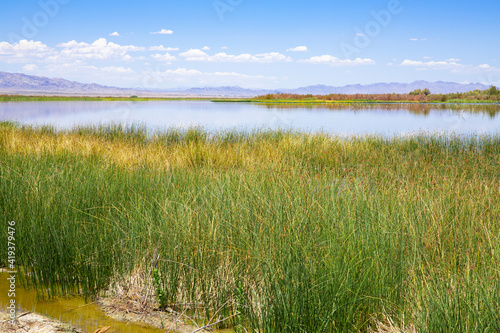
x=264, y=231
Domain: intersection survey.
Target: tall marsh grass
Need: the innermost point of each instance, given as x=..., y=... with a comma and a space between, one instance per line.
x=276, y=231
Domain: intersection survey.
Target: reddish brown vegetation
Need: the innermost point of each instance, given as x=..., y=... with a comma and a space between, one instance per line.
x=490, y=94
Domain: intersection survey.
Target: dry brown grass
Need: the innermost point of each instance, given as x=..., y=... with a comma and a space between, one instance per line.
x=388, y=326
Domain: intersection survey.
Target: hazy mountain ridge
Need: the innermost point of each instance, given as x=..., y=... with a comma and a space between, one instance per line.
x=17, y=83
x=439, y=87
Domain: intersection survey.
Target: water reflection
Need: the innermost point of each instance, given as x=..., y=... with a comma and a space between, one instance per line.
x=22, y=111
x=418, y=109
x=384, y=119
x=87, y=317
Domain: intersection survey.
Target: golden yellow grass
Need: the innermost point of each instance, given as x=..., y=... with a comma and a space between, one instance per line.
x=424, y=210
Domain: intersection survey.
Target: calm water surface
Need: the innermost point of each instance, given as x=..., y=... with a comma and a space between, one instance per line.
x=384, y=119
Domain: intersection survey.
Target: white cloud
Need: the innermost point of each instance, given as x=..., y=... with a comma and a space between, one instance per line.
x=24, y=51
x=196, y=78
x=194, y=54
x=427, y=58
x=30, y=68
x=82, y=71
x=199, y=55
x=446, y=64
x=334, y=61
x=360, y=34
x=183, y=72
x=451, y=64
x=224, y=47
x=414, y=39
x=78, y=66
x=23, y=46
x=162, y=32
x=100, y=49
x=205, y=48
x=163, y=57
x=163, y=48
x=29, y=51
x=114, y=69
x=272, y=57
x=298, y=49
x=115, y=34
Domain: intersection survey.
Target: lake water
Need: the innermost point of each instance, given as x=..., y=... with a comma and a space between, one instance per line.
x=382, y=119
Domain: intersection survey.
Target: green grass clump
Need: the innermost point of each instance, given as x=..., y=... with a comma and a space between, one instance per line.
x=276, y=231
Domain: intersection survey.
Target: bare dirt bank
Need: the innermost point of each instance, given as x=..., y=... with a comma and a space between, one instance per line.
x=32, y=322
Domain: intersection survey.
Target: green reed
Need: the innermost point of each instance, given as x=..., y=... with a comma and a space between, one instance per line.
x=268, y=230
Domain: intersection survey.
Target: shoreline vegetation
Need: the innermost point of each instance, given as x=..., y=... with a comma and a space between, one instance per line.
x=488, y=96
x=491, y=95
x=265, y=231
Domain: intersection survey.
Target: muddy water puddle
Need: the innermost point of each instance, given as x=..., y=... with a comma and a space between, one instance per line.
x=86, y=317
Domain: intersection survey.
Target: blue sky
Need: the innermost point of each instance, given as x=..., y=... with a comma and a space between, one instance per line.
x=251, y=43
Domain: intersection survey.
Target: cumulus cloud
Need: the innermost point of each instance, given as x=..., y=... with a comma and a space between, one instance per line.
x=199, y=55
x=163, y=48
x=298, y=49
x=334, y=61
x=116, y=34
x=115, y=69
x=79, y=66
x=162, y=32
x=205, y=48
x=446, y=64
x=197, y=77
x=82, y=72
x=29, y=51
x=22, y=46
x=163, y=57
x=24, y=51
x=451, y=64
x=30, y=68
x=101, y=49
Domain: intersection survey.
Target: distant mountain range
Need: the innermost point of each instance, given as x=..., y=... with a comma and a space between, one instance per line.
x=17, y=83
x=439, y=87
